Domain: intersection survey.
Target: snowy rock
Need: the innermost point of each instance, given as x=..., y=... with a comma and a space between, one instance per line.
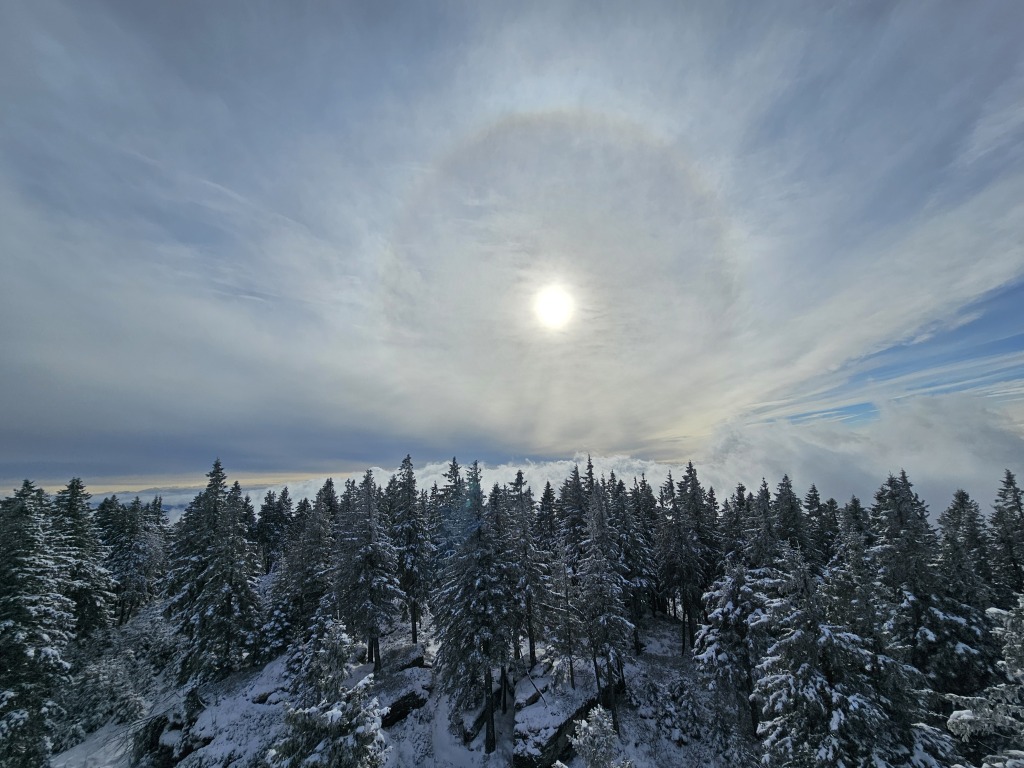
x=403, y=657
x=541, y=734
x=402, y=693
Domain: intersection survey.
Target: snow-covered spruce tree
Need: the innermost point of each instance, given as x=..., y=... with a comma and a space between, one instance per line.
x=737, y=635
x=595, y=741
x=213, y=599
x=692, y=550
x=308, y=556
x=136, y=555
x=532, y=572
x=472, y=613
x=816, y=702
x=825, y=532
x=734, y=522
x=726, y=649
x=602, y=611
x=91, y=586
x=829, y=696
x=854, y=519
x=631, y=554
x=328, y=724
x=511, y=618
x=413, y=549
x=922, y=627
x=565, y=628
x=572, y=519
x=789, y=518
x=36, y=624
x=998, y=713
x=451, y=509
x=273, y=526
x=1006, y=547
x=373, y=596
x=968, y=650
x=637, y=525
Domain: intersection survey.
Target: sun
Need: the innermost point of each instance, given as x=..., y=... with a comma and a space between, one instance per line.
x=553, y=306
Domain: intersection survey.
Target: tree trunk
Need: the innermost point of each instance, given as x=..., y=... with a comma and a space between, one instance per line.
x=377, y=666
x=415, y=616
x=489, y=742
x=597, y=677
x=684, y=613
x=504, y=689
x=369, y=650
x=612, y=696
x=531, y=640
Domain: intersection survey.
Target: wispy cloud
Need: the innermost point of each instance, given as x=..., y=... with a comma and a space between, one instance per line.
x=300, y=238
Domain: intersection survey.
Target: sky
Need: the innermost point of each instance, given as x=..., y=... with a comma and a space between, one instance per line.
x=307, y=238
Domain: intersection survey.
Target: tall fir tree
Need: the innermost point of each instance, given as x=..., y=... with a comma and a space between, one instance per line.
x=272, y=528
x=606, y=630
x=89, y=581
x=137, y=556
x=413, y=548
x=532, y=571
x=37, y=620
x=472, y=609
x=374, y=593
x=212, y=586
x=1007, y=542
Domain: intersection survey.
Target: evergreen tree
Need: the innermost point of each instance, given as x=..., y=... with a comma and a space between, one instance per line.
x=413, y=548
x=273, y=527
x=472, y=611
x=572, y=518
x=788, y=516
x=91, y=587
x=998, y=713
x=329, y=724
x=632, y=558
x=452, y=509
x=640, y=551
x=374, y=593
x=854, y=519
x=923, y=627
x=966, y=651
x=606, y=630
x=594, y=740
x=734, y=521
x=530, y=561
x=829, y=694
x=136, y=555
x=36, y=624
x=1007, y=542
x=728, y=647
x=213, y=598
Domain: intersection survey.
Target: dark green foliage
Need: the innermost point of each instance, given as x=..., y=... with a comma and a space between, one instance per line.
x=36, y=624
x=212, y=586
x=373, y=594
x=273, y=527
x=328, y=723
x=1007, y=542
x=414, y=551
x=90, y=583
x=473, y=610
x=136, y=554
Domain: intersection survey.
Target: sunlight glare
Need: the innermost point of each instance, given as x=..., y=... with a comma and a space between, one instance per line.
x=553, y=306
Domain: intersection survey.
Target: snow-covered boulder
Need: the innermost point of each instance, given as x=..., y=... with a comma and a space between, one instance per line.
x=403, y=692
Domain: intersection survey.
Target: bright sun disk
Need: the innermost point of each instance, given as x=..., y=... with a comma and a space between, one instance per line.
x=553, y=306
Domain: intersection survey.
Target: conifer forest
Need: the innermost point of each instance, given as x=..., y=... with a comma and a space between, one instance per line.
x=608, y=621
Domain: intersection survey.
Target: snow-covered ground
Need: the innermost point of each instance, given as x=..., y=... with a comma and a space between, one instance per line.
x=666, y=718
